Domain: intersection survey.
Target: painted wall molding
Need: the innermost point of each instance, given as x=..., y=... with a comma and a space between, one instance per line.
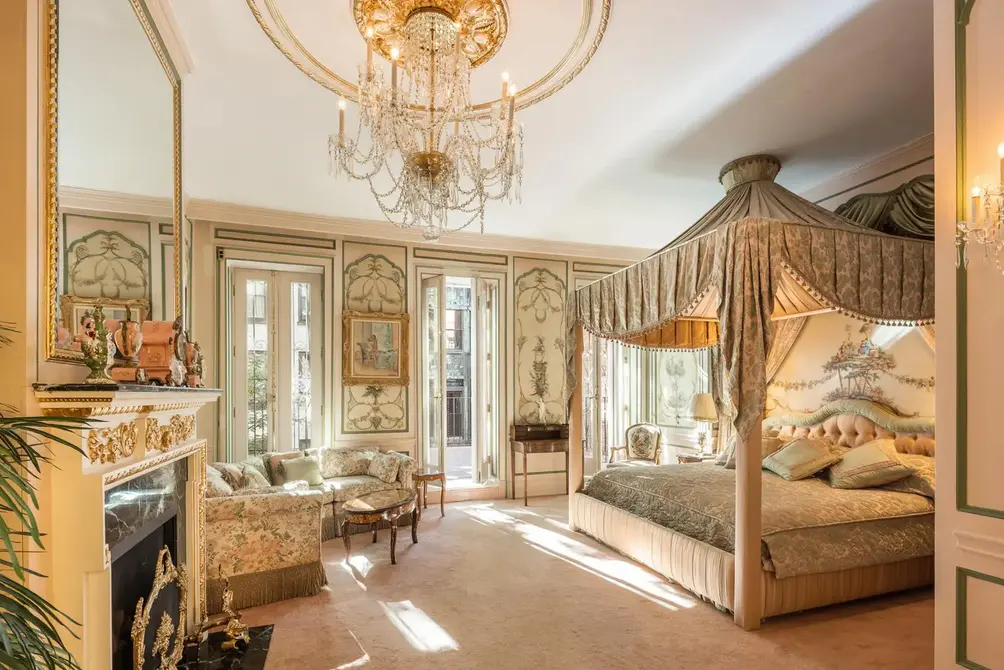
x=219, y=212
x=979, y=544
x=163, y=17
x=86, y=199
x=902, y=158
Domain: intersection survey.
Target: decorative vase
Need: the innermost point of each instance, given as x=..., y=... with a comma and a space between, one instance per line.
x=98, y=350
x=128, y=341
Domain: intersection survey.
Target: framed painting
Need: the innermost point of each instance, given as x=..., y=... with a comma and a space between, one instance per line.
x=75, y=313
x=374, y=349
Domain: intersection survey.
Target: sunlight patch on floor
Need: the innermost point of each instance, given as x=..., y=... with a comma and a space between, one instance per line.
x=358, y=567
x=620, y=572
x=418, y=628
x=359, y=662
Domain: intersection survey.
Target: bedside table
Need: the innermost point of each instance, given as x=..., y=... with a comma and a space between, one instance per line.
x=694, y=458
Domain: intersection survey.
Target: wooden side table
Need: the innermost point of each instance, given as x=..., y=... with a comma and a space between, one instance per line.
x=535, y=447
x=422, y=479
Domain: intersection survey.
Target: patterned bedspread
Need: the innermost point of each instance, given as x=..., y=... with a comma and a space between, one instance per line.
x=808, y=527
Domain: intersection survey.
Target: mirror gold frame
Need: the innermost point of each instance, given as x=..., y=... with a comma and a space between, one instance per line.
x=49, y=138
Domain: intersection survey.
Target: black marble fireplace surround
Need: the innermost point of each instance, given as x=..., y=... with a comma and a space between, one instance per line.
x=142, y=516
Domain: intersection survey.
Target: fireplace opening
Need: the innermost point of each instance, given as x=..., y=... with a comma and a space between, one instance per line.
x=132, y=579
x=142, y=516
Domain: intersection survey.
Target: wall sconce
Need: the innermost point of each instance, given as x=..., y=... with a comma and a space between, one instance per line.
x=986, y=221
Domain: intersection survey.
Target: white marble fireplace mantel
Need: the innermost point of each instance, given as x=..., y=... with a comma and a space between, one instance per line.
x=134, y=429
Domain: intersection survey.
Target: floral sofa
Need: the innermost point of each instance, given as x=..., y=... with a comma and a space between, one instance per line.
x=265, y=540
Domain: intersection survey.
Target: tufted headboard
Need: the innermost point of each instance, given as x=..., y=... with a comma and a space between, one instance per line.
x=851, y=423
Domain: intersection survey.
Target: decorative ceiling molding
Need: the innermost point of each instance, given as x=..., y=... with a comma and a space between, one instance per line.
x=164, y=19
x=218, y=212
x=90, y=200
x=899, y=159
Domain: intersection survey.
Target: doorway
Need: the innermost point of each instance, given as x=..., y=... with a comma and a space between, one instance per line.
x=276, y=369
x=460, y=377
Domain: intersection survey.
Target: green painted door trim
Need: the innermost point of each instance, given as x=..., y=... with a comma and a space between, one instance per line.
x=962, y=576
x=963, y=12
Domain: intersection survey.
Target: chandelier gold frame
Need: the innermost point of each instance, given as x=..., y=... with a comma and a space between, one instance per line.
x=574, y=60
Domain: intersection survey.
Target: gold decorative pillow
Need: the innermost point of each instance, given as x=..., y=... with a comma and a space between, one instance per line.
x=253, y=478
x=770, y=445
x=921, y=481
x=801, y=458
x=872, y=464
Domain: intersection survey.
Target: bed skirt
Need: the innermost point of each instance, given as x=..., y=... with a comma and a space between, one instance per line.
x=709, y=572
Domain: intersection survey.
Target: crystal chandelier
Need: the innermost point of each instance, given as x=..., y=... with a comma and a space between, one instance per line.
x=986, y=222
x=432, y=159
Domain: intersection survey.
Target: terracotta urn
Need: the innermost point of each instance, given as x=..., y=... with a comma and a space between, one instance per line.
x=128, y=341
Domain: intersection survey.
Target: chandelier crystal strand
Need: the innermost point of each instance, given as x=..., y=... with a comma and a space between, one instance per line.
x=431, y=163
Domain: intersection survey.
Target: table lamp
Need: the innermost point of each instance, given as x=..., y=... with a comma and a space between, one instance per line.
x=702, y=410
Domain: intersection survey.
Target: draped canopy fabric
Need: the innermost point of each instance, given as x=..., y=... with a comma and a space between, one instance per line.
x=907, y=210
x=761, y=253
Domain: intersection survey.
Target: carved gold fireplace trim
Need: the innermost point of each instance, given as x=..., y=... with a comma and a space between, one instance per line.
x=180, y=428
x=108, y=445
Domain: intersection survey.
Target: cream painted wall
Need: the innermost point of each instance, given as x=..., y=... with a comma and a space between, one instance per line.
x=803, y=384
x=970, y=513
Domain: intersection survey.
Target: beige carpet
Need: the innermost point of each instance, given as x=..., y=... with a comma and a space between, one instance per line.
x=497, y=585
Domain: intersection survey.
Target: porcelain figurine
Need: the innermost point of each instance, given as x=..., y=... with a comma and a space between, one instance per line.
x=178, y=375
x=98, y=350
x=128, y=340
x=194, y=364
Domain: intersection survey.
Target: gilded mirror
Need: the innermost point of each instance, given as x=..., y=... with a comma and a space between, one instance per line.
x=113, y=232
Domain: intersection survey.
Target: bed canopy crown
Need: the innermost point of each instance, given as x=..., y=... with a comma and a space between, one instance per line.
x=762, y=253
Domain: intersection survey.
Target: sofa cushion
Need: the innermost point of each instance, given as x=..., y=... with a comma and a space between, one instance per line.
x=384, y=467
x=872, y=464
x=353, y=486
x=801, y=458
x=255, y=462
x=253, y=478
x=216, y=485
x=344, y=462
x=231, y=473
x=304, y=468
x=273, y=459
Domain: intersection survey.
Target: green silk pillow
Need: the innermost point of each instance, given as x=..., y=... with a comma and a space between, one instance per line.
x=304, y=468
x=872, y=464
x=801, y=458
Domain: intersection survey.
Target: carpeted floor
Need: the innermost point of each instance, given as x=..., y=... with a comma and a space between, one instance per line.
x=496, y=585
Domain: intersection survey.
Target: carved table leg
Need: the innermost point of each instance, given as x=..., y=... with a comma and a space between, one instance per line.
x=393, y=541
x=414, y=528
x=425, y=494
x=376, y=526
x=442, y=496
x=525, y=473
x=346, y=540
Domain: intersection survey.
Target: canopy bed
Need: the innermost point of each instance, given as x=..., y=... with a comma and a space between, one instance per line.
x=737, y=281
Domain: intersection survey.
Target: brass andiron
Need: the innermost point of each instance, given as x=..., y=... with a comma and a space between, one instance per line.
x=236, y=630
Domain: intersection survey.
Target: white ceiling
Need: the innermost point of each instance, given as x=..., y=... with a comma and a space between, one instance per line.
x=629, y=152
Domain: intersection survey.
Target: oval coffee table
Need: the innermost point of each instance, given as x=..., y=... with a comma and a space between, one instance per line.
x=380, y=506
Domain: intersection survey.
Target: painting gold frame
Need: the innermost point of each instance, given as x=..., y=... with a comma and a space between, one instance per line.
x=49, y=151
x=349, y=319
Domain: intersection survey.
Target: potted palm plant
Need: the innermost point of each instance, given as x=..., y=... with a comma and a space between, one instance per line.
x=31, y=629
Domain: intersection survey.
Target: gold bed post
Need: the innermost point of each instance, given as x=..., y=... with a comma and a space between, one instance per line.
x=575, y=463
x=748, y=604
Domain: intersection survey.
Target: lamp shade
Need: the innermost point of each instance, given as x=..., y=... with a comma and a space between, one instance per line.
x=702, y=408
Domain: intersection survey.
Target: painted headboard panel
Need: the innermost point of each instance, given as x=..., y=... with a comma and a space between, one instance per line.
x=853, y=422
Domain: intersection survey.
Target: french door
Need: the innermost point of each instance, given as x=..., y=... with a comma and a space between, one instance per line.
x=277, y=358
x=459, y=391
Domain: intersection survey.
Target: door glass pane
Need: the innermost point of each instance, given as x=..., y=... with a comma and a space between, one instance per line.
x=257, y=362
x=431, y=369
x=459, y=381
x=300, y=362
x=589, y=398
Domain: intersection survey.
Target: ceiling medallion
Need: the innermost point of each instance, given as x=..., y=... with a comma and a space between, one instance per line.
x=432, y=157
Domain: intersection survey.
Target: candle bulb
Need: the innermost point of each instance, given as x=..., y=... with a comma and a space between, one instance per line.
x=1000, y=154
x=505, y=85
x=512, y=102
x=394, y=53
x=369, y=54
x=341, y=121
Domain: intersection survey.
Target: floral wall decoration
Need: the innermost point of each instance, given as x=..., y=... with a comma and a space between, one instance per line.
x=374, y=280
x=540, y=294
x=679, y=376
x=838, y=357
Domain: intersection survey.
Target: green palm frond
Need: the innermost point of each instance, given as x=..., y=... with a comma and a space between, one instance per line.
x=30, y=627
